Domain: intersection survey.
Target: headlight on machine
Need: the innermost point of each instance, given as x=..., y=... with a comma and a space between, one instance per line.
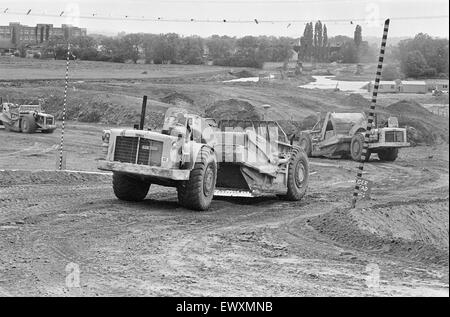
x=105, y=139
x=175, y=151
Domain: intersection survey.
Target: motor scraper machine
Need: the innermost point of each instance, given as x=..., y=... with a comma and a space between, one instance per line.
x=203, y=158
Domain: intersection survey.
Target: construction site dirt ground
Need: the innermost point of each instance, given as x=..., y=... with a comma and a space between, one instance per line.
x=52, y=223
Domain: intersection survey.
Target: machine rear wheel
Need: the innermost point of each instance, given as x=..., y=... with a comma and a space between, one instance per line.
x=298, y=174
x=28, y=124
x=129, y=188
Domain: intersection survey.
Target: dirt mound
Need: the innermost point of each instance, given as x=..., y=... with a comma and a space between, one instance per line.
x=243, y=74
x=12, y=178
x=409, y=107
x=357, y=101
x=295, y=127
x=417, y=230
x=423, y=126
x=105, y=109
x=177, y=99
x=309, y=122
x=232, y=109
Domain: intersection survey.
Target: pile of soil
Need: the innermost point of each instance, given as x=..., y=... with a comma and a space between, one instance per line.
x=100, y=109
x=296, y=127
x=232, y=109
x=243, y=74
x=14, y=178
x=417, y=231
x=290, y=127
x=409, y=107
x=357, y=101
x=179, y=100
x=423, y=126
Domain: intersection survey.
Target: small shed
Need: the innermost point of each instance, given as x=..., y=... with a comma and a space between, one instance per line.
x=413, y=87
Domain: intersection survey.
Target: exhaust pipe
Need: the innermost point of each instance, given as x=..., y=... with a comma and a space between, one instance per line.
x=144, y=107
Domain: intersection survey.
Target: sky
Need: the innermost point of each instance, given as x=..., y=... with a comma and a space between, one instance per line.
x=284, y=17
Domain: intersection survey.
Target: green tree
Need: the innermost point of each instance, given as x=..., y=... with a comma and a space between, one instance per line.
x=50, y=48
x=358, y=36
x=435, y=51
x=307, y=42
x=191, y=50
x=131, y=46
x=325, y=43
x=165, y=49
x=414, y=65
x=220, y=47
x=318, y=41
x=349, y=52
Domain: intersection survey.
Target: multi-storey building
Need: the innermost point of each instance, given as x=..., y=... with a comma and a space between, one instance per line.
x=15, y=34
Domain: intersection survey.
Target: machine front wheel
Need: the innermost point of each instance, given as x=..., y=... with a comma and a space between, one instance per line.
x=129, y=188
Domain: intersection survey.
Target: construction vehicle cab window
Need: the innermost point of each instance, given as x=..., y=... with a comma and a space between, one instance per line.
x=203, y=158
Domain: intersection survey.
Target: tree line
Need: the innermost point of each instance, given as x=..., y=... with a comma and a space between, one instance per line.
x=315, y=46
x=424, y=56
x=170, y=48
x=248, y=51
x=421, y=56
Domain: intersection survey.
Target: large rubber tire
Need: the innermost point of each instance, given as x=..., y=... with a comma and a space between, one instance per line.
x=305, y=143
x=356, y=148
x=198, y=192
x=129, y=188
x=298, y=175
x=388, y=155
x=28, y=124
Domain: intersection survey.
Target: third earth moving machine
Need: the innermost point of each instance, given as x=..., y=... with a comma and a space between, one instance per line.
x=342, y=135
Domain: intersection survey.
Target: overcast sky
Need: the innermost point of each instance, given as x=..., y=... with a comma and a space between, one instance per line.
x=367, y=13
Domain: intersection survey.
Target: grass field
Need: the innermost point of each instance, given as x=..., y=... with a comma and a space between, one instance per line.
x=13, y=68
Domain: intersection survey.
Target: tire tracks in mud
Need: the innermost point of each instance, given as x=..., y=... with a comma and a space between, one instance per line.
x=240, y=247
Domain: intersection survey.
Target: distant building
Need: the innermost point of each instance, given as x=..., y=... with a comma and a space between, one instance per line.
x=15, y=34
x=385, y=87
x=409, y=86
x=413, y=87
x=438, y=84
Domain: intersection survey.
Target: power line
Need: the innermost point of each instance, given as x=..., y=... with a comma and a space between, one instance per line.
x=298, y=2
x=94, y=16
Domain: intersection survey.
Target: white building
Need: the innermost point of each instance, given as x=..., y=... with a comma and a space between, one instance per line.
x=384, y=87
x=414, y=87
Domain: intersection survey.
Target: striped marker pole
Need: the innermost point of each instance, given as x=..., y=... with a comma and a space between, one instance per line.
x=64, y=109
x=370, y=119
